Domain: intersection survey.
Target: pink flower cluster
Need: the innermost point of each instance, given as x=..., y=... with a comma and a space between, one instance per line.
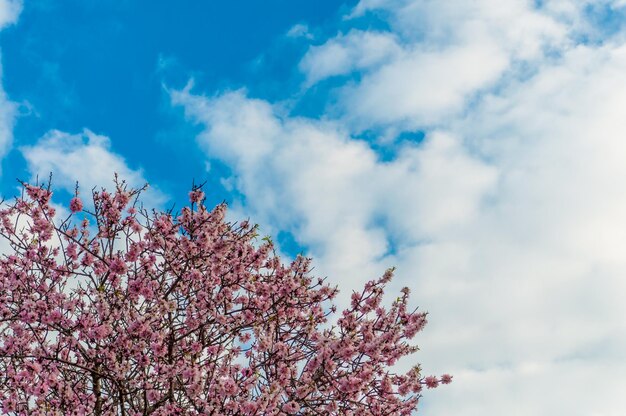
x=129, y=313
x=76, y=205
x=196, y=196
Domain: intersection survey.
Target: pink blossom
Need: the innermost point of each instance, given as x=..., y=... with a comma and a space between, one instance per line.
x=431, y=382
x=76, y=205
x=291, y=407
x=187, y=314
x=196, y=196
x=117, y=266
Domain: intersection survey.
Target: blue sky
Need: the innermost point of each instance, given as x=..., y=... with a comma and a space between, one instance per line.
x=106, y=66
x=477, y=145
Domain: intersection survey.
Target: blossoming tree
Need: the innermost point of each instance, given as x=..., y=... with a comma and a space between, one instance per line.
x=117, y=311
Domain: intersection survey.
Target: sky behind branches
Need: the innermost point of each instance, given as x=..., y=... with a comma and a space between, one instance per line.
x=477, y=145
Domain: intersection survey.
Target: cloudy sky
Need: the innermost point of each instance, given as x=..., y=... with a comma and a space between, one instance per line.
x=477, y=145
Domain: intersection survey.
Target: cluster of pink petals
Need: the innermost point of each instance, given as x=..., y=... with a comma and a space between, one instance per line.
x=122, y=312
x=196, y=196
x=76, y=205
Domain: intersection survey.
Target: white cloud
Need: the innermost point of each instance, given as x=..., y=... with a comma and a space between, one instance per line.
x=521, y=26
x=86, y=158
x=421, y=89
x=436, y=58
x=299, y=30
x=345, y=53
x=507, y=220
x=8, y=111
x=9, y=12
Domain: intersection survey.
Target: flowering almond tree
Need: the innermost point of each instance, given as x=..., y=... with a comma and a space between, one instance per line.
x=115, y=311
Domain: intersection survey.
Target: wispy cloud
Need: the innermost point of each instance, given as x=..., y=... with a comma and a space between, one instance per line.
x=357, y=50
x=85, y=158
x=9, y=13
x=442, y=56
x=8, y=112
x=300, y=30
